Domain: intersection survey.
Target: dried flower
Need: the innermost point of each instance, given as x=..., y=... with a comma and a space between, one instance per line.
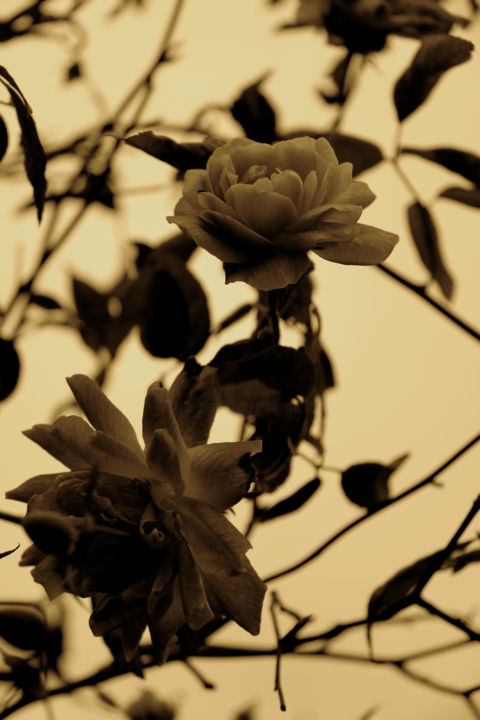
x=142, y=532
x=260, y=208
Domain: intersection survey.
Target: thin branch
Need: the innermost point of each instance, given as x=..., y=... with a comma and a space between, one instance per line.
x=421, y=292
x=359, y=520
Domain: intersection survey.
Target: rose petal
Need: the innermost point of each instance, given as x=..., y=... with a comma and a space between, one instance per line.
x=195, y=604
x=321, y=234
x=265, y=212
x=370, y=247
x=204, y=237
x=289, y=183
x=158, y=415
x=297, y=155
x=236, y=234
x=49, y=573
x=194, y=398
x=310, y=186
x=220, y=160
x=217, y=546
x=107, y=454
x=32, y=486
x=270, y=273
x=66, y=440
x=195, y=182
x=357, y=193
x=102, y=413
x=220, y=473
x=163, y=460
x=245, y=154
x=240, y=597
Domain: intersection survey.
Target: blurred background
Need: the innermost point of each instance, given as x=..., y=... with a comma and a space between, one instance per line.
x=407, y=378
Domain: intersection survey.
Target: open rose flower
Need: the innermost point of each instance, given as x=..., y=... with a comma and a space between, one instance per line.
x=260, y=208
x=142, y=532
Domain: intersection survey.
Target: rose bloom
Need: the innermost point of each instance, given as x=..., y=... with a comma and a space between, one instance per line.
x=363, y=25
x=142, y=532
x=260, y=208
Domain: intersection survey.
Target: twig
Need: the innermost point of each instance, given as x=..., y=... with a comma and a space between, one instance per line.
x=358, y=521
x=421, y=292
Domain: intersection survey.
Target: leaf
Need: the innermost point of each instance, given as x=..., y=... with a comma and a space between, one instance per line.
x=399, y=591
x=237, y=314
x=8, y=552
x=339, y=75
x=462, y=559
x=182, y=156
x=175, y=320
x=362, y=153
x=9, y=368
x=179, y=245
x=106, y=318
x=426, y=241
x=255, y=114
x=3, y=138
x=44, y=301
x=291, y=503
x=466, y=196
x=367, y=484
x=459, y=161
x=437, y=54
x=23, y=627
x=34, y=155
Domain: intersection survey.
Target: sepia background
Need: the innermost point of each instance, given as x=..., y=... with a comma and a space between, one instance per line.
x=407, y=379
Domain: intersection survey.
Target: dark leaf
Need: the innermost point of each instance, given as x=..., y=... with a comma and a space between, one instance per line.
x=8, y=552
x=281, y=368
x=44, y=301
x=181, y=246
x=175, y=320
x=466, y=196
x=437, y=54
x=399, y=592
x=74, y=72
x=23, y=627
x=9, y=368
x=367, y=484
x=255, y=114
x=339, y=75
x=459, y=161
x=35, y=160
x=106, y=318
x=426, y=241
x=182, y=156
x=291, y=503
x=462, y=559
x=3, y=138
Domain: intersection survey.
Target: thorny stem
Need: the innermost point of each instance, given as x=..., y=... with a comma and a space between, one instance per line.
x=343, y=531
x=421, y=292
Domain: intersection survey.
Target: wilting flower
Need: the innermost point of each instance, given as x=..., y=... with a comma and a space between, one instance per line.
x=363, y=25
x=260, y=208
x=142, y=532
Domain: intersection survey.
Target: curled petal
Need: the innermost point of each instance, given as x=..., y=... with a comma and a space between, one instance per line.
x=236, y=234
x=289, y=183
x=194, y=397
x=49, y=573
x=196, y=182
x=264, y=211
x=221, y=473
x=370, y=247
x=272, y=272
x=102, y=413
x=163, y=460
x=32, y=486
x=66, y=440
x=209, y=238
x=111, y=456
x=158, y=415
x=240, y=597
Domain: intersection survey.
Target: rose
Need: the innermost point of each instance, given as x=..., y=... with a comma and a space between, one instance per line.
x=142, y=532
x=363, y=25
x=260, y=208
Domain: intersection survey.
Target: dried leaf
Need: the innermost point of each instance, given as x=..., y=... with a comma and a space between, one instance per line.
x=35, y=160
x=426, y=241
x=437, y=54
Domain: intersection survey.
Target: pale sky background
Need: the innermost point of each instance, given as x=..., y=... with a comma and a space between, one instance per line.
x=407, y=378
